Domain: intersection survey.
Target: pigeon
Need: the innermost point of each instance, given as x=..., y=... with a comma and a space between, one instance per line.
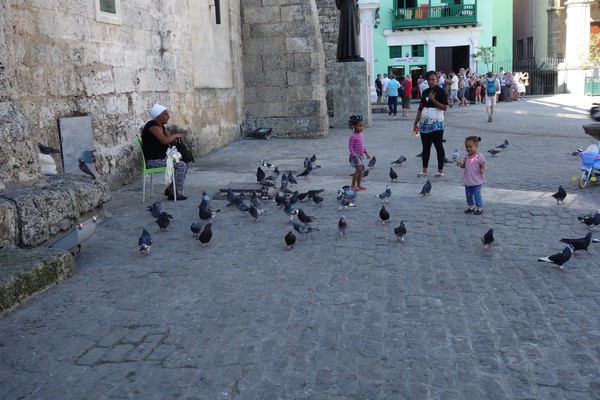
x=266, y=164
x=284, y=183
x=290, y=211
x=306, y=162
x=385, y=195
x=455, y=155
x=595, y=240
x=260, y=175
x=155, y=209
x=206, y=234
x=291, y=179
x=243, y=207
x=419, y=155
x=309, y=194
x=493, y=152
x=342, y=225
x=303, y=229
x=560, y=195
x=205, y=212
x=384, y=214
x=365, y=173
x=254, y=200
x=318, y=200
x=274, y=175
x=579, y=243
x=503, y=145
x=145, y=241
x=305, y=172
x=372, y=162
x=290, y=240
x=205, y=197
x=559, y=258
x=313, y=158
x=400, y=231
x=230, y=195
x=305, y=219
x=343, y=201
x=349, y=193
x=426, y=188
x=196, y=228
x=163, y=221
x=83, y=167
x=488, y=238
x=294, y=197
x=591, y=220
x=255, y=212
x=47, y=149
x=399, y=161
x=393, y=175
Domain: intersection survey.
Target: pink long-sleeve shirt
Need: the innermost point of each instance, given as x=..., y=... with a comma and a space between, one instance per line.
x=356, y=144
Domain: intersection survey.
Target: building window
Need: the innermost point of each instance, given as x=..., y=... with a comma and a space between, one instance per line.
x=493, y=41
x=406, y=3
x=418, y=50
x=108, y=11
x=519, y=49
x=530, y=47
x=395, y=51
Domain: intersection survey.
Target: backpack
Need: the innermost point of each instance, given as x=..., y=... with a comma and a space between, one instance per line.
x=401, y=90
x=491, y=87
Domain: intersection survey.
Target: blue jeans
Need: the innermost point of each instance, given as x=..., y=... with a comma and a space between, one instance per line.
x=393, y=104
x=474, y=196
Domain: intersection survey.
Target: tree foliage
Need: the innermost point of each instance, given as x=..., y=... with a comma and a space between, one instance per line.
x=485, y=54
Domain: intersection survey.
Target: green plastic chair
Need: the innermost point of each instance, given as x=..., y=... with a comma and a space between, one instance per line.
x=147, y=171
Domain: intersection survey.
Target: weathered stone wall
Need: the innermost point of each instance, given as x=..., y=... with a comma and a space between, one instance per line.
x=57, y=60
x=329, y=18
x=284, y=67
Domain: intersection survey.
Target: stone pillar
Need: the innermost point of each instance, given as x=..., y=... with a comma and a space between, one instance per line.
x=578, y=31
x=556, y=40
x=351, y=93
x=430, y=55
x=367, y=22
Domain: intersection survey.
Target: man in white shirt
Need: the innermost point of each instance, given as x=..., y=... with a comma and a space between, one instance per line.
x=384, y=84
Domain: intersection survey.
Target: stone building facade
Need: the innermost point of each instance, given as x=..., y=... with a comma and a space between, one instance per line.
x=263, y=65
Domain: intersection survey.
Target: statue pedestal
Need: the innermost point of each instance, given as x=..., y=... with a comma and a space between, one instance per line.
x=351, y=93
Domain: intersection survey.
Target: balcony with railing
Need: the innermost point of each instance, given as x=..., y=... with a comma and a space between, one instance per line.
x=434, y=16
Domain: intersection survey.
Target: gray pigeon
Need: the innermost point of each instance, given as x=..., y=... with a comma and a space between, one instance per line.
x=455, y=155
x=579, y=243
x=393, y=175
x=400, y=231
x=145, y=241
x=342, y=225
x=493, y=152
x=254, y=200
x=591, y=220
x=303, y=229
x=503, y=145
x=343, y=201
x=255, y=212
x=560, y=195
x=205, y=212
x=47, y=149
x=291, y=179
x=385, y=195
x=399, y=161
x=163, y=221
x=426, y=188
x=83, y=167
x=206, y=234
x=318, y=200
x=488, y=238
x=290, y=240
x=559, y=258
x=196, y=228
x=305, y=172
x=349, y=193
x=265, y=164
x=372, y=162
x=155, y=209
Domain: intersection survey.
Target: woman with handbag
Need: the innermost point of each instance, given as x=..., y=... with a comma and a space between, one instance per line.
x=156, y=140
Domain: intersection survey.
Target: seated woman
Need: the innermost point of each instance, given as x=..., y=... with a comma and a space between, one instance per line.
x=155, y=142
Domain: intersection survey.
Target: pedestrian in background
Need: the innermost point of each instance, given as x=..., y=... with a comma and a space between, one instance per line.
x=378, y=88
x=407, y=96
x=384, y=83
x=473, y=179
x=393, y=88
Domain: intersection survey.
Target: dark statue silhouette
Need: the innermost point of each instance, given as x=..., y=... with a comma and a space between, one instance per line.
x=347, y=49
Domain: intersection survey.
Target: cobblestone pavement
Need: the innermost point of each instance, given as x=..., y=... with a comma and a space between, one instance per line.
x=354, y=317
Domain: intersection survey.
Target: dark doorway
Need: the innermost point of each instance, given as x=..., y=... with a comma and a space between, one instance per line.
x=398, y=71
x=451, y=58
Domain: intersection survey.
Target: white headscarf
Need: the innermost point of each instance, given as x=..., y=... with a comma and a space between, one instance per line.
x=156, y=110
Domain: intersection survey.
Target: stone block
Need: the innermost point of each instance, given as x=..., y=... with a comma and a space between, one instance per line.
x=296, y=12
x=26, y=272
x=302, y=44
x=278, y=61
x=253, y=63
x=98, y=82
x=351, y=93
x=274, y=45
x=303, y=77
x=265, y=109
x=262, y=14
x=125, y=79
x=305, y=108
x=8, y=224
x=266, y=78
x=309, y=61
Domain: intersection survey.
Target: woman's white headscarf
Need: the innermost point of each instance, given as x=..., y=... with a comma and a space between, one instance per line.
x=156, y=110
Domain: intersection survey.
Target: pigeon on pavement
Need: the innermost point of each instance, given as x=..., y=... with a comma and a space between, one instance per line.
x=488, y=238
x=560, y=195
x=145, y=241
x=255, y=212
x=313, y=158
x=343, y=201
x=503, y=145
x=591, y=220
x=163, y=221
x=305, y=172
x=155, y=209
x=385, y=195
x=206, y=234
x=426, y=190
x=342, y=225
x=290, y=240
x=47, y=149
x=455, y=155
x=303, y=229
x=265, y=164
x=393, y=175
x=83, y=167
x=400, y=231
x=579, y=243
x=372, y=162
x=384, y=215
x=559, y=258
x=493, y=152
x=291, y=179
x=305, y=219
x=399, y=161
x=318, y=200
x=196, y=228
x=260, y=175
x=349, y=193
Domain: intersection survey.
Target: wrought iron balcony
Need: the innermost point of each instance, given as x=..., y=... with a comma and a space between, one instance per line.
x=429, y=16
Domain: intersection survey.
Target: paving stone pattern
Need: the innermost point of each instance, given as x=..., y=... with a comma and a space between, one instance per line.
x=354, y=317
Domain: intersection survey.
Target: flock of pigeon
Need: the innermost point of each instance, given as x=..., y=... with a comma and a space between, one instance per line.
x=288, y=200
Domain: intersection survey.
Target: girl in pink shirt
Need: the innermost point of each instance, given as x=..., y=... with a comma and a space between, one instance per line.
x=358, y=152
x=474, y=166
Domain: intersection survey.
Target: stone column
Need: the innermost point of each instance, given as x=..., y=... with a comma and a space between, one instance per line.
x=367, y=22
x=578, y=31
x=556, y=40
x=351, y=93
x=430, y=55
